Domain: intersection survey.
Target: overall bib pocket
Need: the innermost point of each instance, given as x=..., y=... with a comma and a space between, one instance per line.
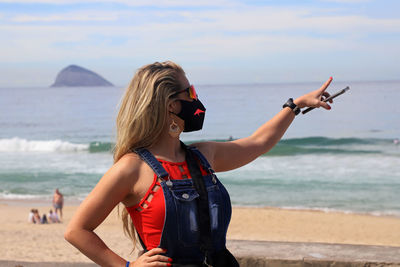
x=185, y=199
x=217, y=213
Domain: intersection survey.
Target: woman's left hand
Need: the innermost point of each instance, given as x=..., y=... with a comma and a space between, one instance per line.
x=315, y=98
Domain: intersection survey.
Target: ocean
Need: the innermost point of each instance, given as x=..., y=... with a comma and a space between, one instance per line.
x=346, y=159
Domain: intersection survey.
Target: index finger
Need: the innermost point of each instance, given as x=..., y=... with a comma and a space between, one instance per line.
x=325, y=85
x=155, y=251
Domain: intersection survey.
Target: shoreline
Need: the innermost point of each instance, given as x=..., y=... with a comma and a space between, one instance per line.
x=31, y=202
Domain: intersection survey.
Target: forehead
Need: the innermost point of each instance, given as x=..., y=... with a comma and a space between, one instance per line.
x=183, y=81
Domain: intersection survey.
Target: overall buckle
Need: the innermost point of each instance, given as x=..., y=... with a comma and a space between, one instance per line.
x=205, y=262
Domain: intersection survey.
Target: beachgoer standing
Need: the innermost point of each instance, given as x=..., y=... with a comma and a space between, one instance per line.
x=58, y=202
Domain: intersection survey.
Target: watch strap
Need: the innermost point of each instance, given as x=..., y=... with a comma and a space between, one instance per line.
x=292, y=106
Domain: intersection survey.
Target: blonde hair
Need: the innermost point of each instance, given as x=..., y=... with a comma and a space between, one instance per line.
x=143, y=114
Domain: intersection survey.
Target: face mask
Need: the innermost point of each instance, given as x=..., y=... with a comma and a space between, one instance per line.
x=192, y=113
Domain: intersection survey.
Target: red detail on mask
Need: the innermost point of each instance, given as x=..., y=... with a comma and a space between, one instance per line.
x=198, y=111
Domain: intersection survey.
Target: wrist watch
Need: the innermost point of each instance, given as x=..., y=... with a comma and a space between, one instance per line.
x=292, y=105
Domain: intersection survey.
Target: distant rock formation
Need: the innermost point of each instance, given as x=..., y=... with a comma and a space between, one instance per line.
x=74, y=75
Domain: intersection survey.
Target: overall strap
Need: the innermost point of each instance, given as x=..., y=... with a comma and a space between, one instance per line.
x=201, y=157
x=147, y=157
x=206, y=244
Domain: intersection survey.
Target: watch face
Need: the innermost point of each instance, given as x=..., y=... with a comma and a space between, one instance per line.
x=289, y=103
x=292, y=105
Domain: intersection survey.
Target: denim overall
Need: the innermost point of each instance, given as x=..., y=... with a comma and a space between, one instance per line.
x=180, y=235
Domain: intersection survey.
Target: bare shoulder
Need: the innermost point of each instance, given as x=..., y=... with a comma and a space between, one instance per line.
x=127, y=166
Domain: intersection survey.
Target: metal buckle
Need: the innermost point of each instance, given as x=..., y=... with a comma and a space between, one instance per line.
x=205, y=262
x=169, y=182
x=214, y=178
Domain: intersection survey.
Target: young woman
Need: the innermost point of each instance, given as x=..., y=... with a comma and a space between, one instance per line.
x=150, y=175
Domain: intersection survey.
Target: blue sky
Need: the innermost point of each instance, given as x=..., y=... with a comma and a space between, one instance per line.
x=215, y=41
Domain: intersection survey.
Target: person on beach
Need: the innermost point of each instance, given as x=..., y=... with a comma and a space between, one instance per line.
x=36, y=217
x=154, y=174
x=58, y=202
x=53, y=217
x=43, y=220
x=31, y=216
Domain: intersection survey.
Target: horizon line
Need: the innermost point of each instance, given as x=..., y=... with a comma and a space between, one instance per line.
x=213, y=84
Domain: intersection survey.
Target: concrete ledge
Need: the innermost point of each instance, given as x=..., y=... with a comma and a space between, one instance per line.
x=283, y=254
x=261, y=253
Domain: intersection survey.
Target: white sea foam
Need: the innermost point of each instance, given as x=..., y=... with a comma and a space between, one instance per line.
x=7, y=195
x=46, y=198
x=393, y=213
x=23, y=145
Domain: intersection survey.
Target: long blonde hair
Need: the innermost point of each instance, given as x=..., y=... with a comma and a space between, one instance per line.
x=143, y=114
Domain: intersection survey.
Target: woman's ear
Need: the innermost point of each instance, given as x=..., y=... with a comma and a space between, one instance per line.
x=174, y=107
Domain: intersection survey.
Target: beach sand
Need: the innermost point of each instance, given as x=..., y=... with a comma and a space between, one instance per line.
x=45, y=243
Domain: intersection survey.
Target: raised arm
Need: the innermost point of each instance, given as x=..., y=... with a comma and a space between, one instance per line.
x=225, y=156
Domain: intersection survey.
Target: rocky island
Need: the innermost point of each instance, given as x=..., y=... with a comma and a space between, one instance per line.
x=74, y=75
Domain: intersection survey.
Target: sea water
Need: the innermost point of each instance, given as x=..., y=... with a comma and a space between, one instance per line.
x=345, y=159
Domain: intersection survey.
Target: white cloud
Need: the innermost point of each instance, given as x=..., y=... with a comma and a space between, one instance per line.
x=158, y=3
x=202, y=40
x=253, y=20
x=238, y=33
x=278, y=19
x=75, y=16
x=346, y=1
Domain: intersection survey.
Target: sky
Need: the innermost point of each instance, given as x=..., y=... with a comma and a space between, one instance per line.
x=215, y=41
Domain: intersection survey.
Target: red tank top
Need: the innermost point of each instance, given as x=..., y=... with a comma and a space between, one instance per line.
x=149, y=214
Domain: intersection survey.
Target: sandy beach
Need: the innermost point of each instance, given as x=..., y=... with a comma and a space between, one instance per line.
x=45, y=243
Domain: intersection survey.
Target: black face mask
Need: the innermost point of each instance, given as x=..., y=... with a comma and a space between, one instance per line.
x=192, y=113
